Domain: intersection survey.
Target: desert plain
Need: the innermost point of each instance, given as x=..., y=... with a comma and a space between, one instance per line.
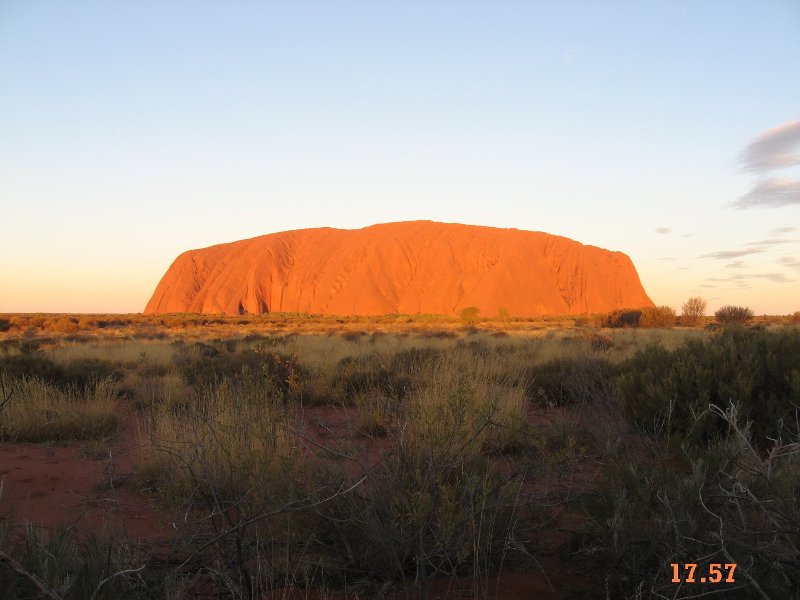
x=288, y=455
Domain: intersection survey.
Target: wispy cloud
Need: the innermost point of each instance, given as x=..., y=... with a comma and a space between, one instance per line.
x=771, y=193
x=663, y=230
x=726, y=254
x=782, y=230
x=774, y=277
x=739, y=264
x=772, y=242
x=773, y=149
x=790, y=261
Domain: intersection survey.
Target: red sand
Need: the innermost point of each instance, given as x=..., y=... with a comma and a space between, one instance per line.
x=409, y=268
x=55, y=486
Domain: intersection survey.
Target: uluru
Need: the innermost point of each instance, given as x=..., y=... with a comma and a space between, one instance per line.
x=409, y=268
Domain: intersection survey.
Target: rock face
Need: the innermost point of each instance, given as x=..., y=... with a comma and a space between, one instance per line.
x=411, y=267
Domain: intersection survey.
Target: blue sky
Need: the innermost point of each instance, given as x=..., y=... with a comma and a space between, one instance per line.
x=131, y=131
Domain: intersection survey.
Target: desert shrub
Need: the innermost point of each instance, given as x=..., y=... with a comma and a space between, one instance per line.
x=442, y=334
x=229, y=440
x=795, y=317
x=623, y=318
x=693, y=311
x=87, y=322
x=570, y=380
x=599, y=341
x=425, y=515
x=469, y=315
x=669, y=391
x=36, y=411
x=84, y=372
x=435, y=505
x=78, y=373
x=72, y=569
x=592, y=320
x=5, y=324
x=457, y=400
x=377, y=413
x=657, y=316
x=64, y=324
x=503, y=314
x=31, y=364
x=353, y=336
x=391, y=375
x=729, y=503
x=728, y=315
x=229, y=457
x=411, y=360
x=202, y=365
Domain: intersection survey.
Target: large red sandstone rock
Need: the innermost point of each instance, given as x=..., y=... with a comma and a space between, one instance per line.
x=412, y=267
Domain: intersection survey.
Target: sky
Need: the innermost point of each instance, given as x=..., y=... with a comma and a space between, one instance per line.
x=133, y=131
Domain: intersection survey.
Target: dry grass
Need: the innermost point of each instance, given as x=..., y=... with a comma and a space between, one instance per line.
x=229, y=438
x=467, y=404
x=38, y=412
x=116, y=351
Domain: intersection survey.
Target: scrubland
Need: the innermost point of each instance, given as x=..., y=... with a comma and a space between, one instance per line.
x=413, y=457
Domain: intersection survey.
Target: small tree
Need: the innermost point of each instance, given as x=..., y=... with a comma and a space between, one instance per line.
x=469, y=315
x=728, y=314
x=503, y=314
x=693, y=311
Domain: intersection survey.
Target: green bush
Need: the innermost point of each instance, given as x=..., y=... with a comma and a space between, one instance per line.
x=425, y=515
x=367, y=374
x=669, y=391
x=570, y=381
x=729, y=503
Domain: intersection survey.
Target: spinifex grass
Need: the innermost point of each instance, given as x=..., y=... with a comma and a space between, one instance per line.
x=229, y=439
x=465, y=403
x=38, y=412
